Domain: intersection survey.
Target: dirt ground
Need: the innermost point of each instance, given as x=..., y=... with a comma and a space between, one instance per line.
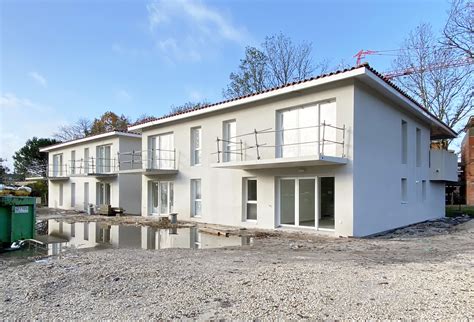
x=423, y=271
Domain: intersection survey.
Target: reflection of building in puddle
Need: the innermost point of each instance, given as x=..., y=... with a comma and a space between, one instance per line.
x=187, y=238
x=92, y=234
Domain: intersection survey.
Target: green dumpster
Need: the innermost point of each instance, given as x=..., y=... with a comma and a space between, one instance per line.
x=17, y=218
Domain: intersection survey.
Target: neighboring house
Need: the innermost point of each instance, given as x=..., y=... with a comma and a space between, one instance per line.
x=467, y=161
x=97, y=170
x=347, y=153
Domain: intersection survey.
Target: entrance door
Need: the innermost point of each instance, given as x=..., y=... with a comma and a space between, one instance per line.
x=162, y=197
x=326, y=197
x=298, y=202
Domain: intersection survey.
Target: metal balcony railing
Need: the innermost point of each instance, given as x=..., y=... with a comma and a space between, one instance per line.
x=325, y=140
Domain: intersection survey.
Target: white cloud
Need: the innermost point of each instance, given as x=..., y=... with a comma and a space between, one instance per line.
x=10, y=101
x=189, y=30
x=40, y=79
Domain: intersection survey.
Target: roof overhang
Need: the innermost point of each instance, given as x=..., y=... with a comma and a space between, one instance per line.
x=88, y=139
x=439, y=129
x=251, y=99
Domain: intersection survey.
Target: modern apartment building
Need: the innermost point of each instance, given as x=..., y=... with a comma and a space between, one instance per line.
x=96, y=170
x=347, y=153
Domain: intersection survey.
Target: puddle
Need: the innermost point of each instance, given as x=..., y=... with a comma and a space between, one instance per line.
x=89, y=235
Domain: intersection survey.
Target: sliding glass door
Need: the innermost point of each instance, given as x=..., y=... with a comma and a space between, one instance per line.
x=307, y=202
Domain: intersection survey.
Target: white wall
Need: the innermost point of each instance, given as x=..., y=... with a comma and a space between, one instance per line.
x=378, y=168
x=222, y=188
x=124, y=187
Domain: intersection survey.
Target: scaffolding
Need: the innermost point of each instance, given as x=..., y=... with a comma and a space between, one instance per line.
x=238, y=146
x=153, y=159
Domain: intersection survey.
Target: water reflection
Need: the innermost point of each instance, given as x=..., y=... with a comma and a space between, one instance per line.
x=92, y=234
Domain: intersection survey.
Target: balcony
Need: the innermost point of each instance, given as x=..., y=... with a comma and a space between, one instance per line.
x=322, y=144
x=58, y=172
x=159, y=162
x=443, y=165
x=149, y=162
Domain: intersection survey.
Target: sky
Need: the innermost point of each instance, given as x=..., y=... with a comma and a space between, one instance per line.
x=61, y=60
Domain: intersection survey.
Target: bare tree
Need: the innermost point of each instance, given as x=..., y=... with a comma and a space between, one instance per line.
x=79, y=129
x=278, y=62
x=188, y=106
x=446, y=92
x=459, y=29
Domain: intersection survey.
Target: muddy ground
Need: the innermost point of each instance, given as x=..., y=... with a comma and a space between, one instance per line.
x=420, y=272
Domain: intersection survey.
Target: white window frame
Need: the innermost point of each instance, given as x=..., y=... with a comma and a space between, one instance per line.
x=86, y=161
x=101, y=192
x=57, y=165
x=196, y=149
x=195, y=200
x=158, y=157
x=105, y=163
x=170, y=197
x=229, y=147
x=331, y=132
x=247, y=201
x=73, y=162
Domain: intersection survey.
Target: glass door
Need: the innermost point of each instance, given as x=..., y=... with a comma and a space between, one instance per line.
x=298, y=202
x=161, y=198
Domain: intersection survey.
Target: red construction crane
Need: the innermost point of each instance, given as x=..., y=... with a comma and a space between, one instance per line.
x=361, y=54
x=411, y=70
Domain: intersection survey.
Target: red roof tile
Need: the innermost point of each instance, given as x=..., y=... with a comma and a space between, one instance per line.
x=366, y=65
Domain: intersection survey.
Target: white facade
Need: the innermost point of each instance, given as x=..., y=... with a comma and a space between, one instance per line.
x=95, y=170
x=347, y=154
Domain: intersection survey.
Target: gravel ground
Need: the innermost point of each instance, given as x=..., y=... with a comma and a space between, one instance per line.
x=282, y=275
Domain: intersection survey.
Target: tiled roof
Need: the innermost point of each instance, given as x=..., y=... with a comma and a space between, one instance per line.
x=366, y=65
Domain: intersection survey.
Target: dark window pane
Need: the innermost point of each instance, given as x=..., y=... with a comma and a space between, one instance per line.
x=252, y=211
x=252, y=190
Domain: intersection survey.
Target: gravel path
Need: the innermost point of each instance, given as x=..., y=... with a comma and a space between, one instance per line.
x=288, y=276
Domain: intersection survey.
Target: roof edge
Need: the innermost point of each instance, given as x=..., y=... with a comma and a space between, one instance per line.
x=89, y=138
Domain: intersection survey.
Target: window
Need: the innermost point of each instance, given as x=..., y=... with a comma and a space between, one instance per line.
x=300, y=130
x=404, y=142
x=103, y=193
x=418, y=147
x=161, y=151
x=86, y=160
x=196, y=146
x=162, y=197
x=73, y=194
x=86, y=196
x=404, y=192
x=196, y=198
x=423, y=190
x=73, y=162
x=251, y=199
x=57, y=165
x=229, y=145
x=61, y=194
x=103, y=159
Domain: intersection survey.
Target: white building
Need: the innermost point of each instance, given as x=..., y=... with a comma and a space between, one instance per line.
x=97, y=170
x=347, y=153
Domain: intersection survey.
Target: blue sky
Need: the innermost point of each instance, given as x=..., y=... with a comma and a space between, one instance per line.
x=65, y=59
